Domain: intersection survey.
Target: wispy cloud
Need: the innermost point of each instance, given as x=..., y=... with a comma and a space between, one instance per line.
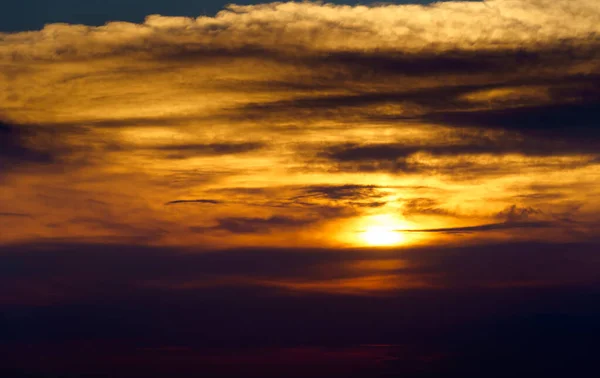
x=16, y=215
x=485, y=227
x=213, y=149
x=193, y=201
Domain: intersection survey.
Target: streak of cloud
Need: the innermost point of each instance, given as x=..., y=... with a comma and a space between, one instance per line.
x=193, y=201
x=485, y=227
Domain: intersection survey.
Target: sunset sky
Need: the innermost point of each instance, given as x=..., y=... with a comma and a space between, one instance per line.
x=349, y=189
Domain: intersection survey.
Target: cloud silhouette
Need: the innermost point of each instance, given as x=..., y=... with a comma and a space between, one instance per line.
x=17, y=215
x=192, y=201
x=485, y=227
x=248, y=225
x=15, y=148
x=213, y=149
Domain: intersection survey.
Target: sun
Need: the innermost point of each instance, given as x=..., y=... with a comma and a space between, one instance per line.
x=382, y=230
x=381, y=236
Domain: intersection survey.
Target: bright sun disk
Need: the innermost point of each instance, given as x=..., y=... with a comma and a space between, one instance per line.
x=382, y=230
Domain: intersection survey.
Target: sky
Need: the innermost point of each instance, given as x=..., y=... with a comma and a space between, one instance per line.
x=299, y=188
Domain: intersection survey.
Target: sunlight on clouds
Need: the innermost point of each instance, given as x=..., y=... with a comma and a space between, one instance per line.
x=304, y=124
x=377, y=284
x=519, y=96
x=322, y=27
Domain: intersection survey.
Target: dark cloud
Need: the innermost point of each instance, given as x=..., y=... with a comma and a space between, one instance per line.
x=486, y=302
x=514, y=217
x=89, y=264
x=503, y=144
x=17, y=150
x=112, y=123
x=324, y=201
x=362, y=64
x=184, y=151
x=486, y=227
x=574, y=125
x=425, y=206
x=548, y=66
x=356, y=65
x=516, y=214
x=198, y=201
x=55, y=149
x=45, y=261
x=458, y=170
x=341, y=192
x=568, y=213
x=359, y=102
x=372, y=204
x=546, y=86
x=506, y=62
x=248, y=225
x=405, y=158
x=497, y=265
x=17, y=215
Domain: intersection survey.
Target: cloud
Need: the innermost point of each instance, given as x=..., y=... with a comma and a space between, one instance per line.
x=17, y=215
x=515, y=214
x=43, y=148
x=174, y=266
x=572, y=122
x=291, y=297
x=167, y=263
x=493, y=24
x=316, y=113
x=502, y=145
x=485, y=227
x=460, y=167
x=328, y=201
x=247, y=225
x=341, y=192
x=529, y=131
x=199, y=201
x=213, y=149
x=425, y=206
x=514, y=217
x=16, y=149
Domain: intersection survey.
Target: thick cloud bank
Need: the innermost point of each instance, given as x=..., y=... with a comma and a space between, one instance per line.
x=321, y=28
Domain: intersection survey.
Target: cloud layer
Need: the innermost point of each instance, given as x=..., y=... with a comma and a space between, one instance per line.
x=280, y=123
x=311, y=27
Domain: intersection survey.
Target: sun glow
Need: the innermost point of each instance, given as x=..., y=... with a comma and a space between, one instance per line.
x=381, y=235
x=382, y=230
